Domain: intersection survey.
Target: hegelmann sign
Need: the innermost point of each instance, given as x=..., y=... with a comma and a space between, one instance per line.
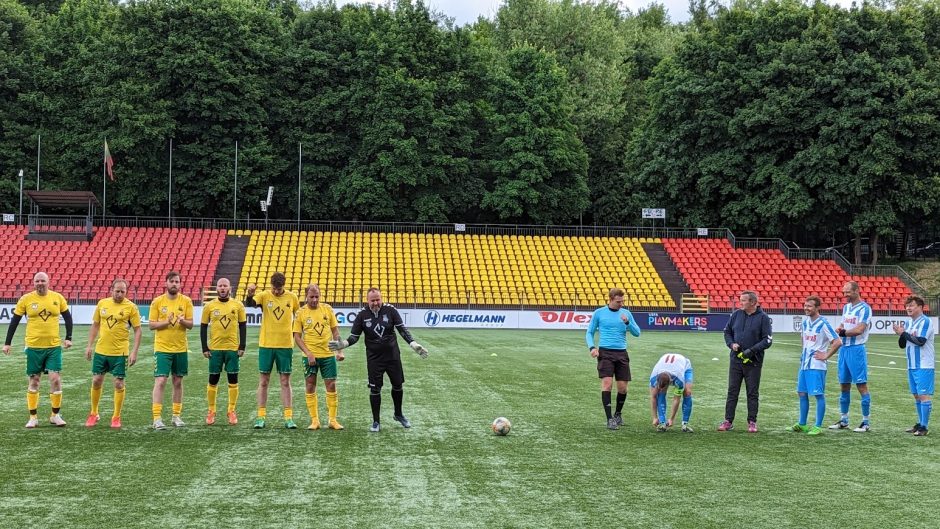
x=433, y=318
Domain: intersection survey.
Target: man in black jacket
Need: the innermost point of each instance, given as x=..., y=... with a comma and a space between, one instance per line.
x=748, y=335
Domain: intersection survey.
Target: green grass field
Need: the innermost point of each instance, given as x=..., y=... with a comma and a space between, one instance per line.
x=560, y=466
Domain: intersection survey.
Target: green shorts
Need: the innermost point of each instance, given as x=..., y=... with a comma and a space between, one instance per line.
x=166, y=363
x=220, y=359
x=43, y=360
x=116, y=365
x=326, y=366
x=269, y=356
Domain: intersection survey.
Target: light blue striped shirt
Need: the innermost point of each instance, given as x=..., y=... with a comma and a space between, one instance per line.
x=852, y=316
x=921, y=356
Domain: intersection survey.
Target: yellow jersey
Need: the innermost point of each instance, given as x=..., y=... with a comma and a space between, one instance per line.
x=42, y=318
x=115, y=320
x=223, y=318
x=316, y=328
x=171, y=339
x=277, y=314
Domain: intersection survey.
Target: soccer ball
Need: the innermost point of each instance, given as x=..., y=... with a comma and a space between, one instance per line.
x=501, y=426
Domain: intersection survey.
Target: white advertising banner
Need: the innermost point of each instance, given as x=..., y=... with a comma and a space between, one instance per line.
x=879, y=324
x=514, y=319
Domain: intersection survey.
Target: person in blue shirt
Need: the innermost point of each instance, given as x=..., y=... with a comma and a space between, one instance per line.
x=917, y=340
x=853, y=358
x=613, y=321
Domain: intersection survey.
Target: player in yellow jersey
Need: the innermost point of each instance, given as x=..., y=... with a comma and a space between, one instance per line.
x=42, y=308
x=224, y=319
x=314, y=326
x=171, y=315
x=113, y=316
x=275, y=343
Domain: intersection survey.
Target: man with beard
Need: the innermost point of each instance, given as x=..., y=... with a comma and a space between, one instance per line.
x=171, y=315
x=223, y=343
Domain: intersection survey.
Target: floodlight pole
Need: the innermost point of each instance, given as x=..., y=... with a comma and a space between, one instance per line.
x=235, y=203
x=21, y=195
x=38, y=155
x=300, y=165
x=169, y=194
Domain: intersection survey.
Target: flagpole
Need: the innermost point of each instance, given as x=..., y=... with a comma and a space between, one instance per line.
x=169, y=194
x=235, y=205
x=104, y=178
x=300, y=165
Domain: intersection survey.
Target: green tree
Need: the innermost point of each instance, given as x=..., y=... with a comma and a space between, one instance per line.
x=18, y=35
x=535, y=164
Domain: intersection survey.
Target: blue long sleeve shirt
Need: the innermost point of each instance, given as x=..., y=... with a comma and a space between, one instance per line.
x=612, y=328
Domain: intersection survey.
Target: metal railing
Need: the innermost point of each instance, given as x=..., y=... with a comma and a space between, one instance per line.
x=392, y=227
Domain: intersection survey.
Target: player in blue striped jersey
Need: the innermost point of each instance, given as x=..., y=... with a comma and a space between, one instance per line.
x=917, y=340
x=613, y=321
x=820, y=342
x=673, y=369
x=853, y=358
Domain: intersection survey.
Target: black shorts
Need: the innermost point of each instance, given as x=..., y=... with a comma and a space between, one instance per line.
x=613, y=364
x=385, y=365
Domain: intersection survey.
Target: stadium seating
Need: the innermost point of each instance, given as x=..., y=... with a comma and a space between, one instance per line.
x=436, y=269
x=84, y=270
x=715, y=268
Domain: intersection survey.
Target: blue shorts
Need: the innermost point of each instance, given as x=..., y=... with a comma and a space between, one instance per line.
x=921, y=381
x=687, y=378
x=853, y=364
x=811, y=381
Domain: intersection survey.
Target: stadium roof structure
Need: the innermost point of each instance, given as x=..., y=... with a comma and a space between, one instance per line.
x=63, y=229
x=64, y=199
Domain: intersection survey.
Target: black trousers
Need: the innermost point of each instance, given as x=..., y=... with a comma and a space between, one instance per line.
x=750, y=374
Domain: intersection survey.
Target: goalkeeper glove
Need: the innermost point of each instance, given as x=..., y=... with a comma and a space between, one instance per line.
x=677, y=391
x=744, y=358
x=420, y=349
x=336, y=345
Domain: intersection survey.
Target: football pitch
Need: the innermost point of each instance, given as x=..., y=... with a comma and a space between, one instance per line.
x=559, y=467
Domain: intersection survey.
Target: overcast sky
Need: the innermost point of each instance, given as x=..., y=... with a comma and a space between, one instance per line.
x=466, y=11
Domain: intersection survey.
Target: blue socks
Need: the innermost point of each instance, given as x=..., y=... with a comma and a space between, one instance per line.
x=686, y=408
x=804, y=408
x=661, y=406
x=844, y=400
x=820, y=409
x=923, y=411
x=866, y=406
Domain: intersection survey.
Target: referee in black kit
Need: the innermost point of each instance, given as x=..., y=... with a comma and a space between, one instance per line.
x=379, y=322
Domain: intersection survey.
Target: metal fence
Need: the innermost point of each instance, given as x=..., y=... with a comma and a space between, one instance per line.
x=388, y=227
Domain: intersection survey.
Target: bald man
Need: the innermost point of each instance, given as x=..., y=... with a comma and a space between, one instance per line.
x=42, y=308
x=222, y=333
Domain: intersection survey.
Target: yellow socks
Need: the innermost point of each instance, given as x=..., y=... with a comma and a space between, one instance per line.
x=177, y=408
x=262, y=412
x=211, y=392
x=56, y=400
x=232, y=396
x=118, y=401
x=312, y=406
x=157, y=410
x=332, y=402
x=32, y=401
x=288, y=414
x=95, y=399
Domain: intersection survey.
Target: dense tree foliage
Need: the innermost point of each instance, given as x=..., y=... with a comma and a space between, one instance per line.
x=773, y=118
